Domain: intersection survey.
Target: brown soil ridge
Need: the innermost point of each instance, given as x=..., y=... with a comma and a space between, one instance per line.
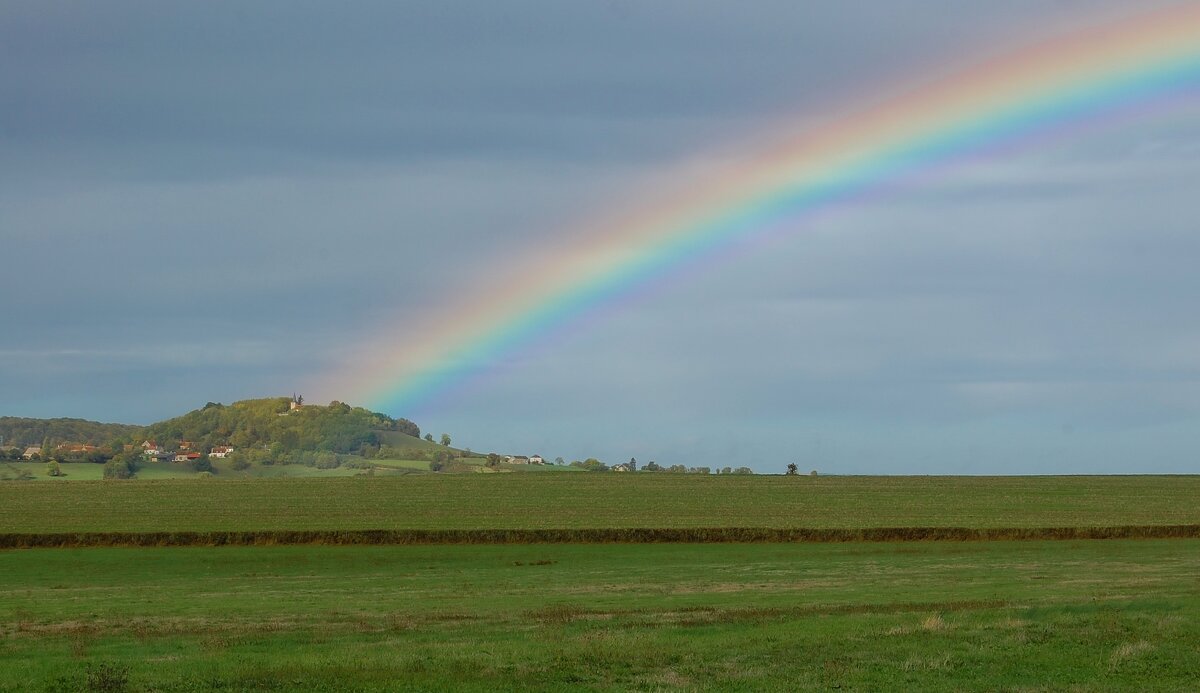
x=683, y=535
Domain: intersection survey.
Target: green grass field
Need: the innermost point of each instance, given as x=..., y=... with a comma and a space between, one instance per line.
x=950, y=615
x=1111, y=615
x=589, y=500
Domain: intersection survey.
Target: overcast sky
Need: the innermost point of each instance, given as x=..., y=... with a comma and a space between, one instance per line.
x=216, y=201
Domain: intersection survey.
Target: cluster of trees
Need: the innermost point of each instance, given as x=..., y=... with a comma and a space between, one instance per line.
x=23, y=433
x=14, y=453
x=396, y=452
x=445, y=440
x=448, y=461
x=336, y=428
x=122, y=466
x=47, y=453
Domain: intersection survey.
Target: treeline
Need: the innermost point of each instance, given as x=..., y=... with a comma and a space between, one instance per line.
x=273, y=425
x=247, y=457
x=594, y=465
x=23, y=433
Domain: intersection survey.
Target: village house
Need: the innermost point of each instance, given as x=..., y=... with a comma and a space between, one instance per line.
x=536, y=459
x=623, y=467
x=220, y=451
x=150, y=448
x=31, y=452
x=186, y=456
x=185, y=445
x=75, y=447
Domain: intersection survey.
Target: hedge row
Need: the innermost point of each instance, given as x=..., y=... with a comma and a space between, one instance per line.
x=586, y=536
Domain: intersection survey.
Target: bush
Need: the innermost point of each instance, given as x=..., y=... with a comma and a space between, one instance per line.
x=119, y=469
x=201, y=464
x=239, y=464
x=52, y=468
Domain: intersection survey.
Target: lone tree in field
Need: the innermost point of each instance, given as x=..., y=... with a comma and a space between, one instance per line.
x=446, y=439
x=792, y=469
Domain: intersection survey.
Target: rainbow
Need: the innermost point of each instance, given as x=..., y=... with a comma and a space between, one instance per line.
x=1040, y=89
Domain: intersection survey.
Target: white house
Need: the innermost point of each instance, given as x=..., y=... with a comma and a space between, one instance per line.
x=536, y=459
x=221, y=451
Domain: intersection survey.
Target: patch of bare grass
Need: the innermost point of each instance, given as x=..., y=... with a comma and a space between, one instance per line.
x=940, y=662
x=1128, y=651
x=556, y=614
x=934, y=623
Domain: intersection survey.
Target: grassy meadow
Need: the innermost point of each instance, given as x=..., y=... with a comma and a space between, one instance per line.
x=592, y=500
x=1113, y=615
x=1116, y=614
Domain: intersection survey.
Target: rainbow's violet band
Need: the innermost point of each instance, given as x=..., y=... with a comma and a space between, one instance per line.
x=1041, y=88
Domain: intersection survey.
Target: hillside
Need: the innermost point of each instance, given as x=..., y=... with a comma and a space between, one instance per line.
x=276, y=423
x=271, y=437
x=21, y=432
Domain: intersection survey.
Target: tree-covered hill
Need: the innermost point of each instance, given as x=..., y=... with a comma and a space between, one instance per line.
x=275, y=424
x=52, y=432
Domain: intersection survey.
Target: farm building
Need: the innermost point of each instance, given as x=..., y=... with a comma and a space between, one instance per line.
x=523, y=459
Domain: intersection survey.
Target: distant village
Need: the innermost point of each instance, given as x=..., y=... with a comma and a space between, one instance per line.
x=150, y=450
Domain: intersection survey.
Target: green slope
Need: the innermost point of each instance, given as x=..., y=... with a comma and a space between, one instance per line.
x=271, y=423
